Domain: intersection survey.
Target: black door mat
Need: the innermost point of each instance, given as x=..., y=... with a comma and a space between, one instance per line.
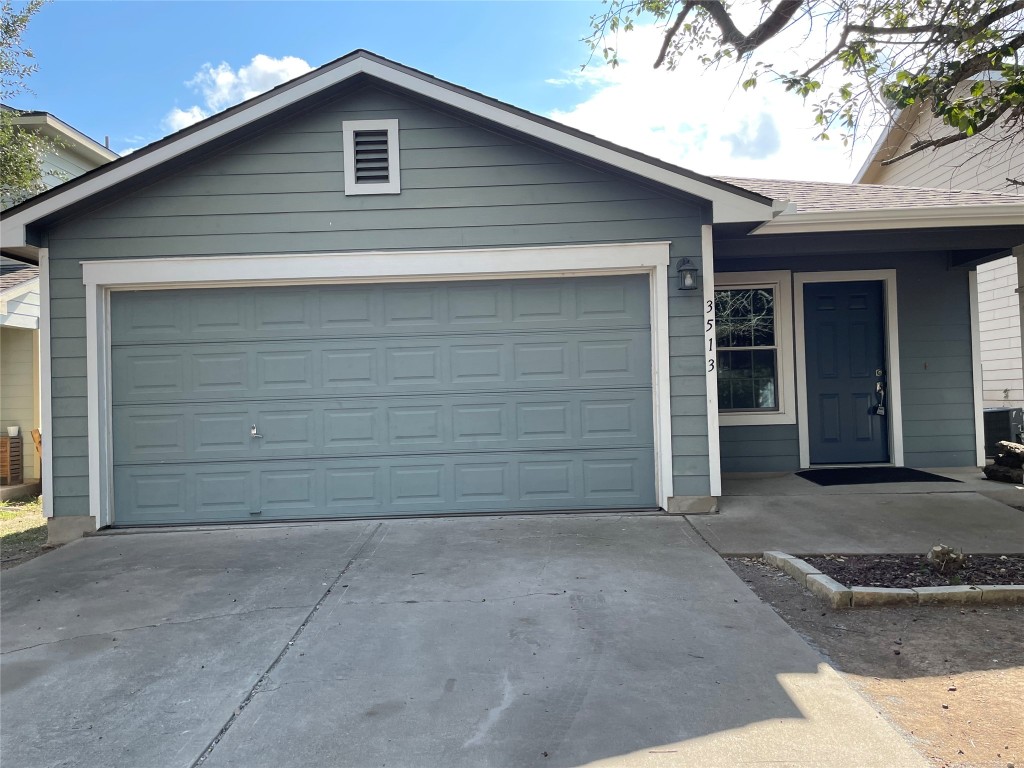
x=869, y=475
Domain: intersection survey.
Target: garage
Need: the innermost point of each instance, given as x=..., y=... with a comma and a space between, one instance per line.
x=333, y=401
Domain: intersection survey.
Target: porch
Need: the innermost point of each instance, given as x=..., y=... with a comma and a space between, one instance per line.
x=766, y=511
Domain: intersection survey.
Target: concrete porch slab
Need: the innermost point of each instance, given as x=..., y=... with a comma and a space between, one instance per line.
x=785, y=512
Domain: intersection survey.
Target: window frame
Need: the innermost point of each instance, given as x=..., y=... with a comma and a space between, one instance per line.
x=781, y=282
x=393, y=185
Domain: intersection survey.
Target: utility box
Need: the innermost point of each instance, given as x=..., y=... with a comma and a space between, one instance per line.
x=1002, y=424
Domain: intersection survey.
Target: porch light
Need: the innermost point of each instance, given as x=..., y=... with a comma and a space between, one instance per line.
x=687, y=275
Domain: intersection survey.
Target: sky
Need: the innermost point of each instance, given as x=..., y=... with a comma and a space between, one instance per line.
x=136, y=71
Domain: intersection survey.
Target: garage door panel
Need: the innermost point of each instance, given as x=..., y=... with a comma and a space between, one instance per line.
x=283, y=312
x=321, y=368
x=370, y=486
x=203, y=432
x=381, y=399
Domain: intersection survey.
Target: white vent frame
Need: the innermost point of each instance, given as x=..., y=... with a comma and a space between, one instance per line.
x=393, y=185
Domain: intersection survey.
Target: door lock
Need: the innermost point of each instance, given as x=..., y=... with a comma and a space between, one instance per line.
x=255, y=433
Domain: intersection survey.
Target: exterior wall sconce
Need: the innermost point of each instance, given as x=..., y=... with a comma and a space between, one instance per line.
x=687, y=272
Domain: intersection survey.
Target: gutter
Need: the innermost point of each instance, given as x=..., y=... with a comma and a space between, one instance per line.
x=935, y=217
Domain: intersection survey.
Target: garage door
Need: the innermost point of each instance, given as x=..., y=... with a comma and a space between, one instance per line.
x=343, y=401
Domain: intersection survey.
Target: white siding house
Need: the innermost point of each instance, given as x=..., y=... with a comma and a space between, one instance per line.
x=986, y=162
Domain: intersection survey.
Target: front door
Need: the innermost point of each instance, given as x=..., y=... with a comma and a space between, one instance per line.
x=844, y=333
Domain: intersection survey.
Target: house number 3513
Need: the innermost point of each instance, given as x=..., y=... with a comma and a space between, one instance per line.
x=709, y=332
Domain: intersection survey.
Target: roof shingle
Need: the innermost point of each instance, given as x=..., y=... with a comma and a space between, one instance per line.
x=822, y=197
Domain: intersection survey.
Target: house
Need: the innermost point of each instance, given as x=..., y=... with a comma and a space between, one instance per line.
x=989, y=162
x=369, y=291
x=19, y=293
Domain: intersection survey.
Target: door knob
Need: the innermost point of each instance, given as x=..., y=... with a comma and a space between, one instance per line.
x=254, y=432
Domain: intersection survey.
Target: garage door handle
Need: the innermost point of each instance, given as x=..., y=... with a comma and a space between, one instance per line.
x=254, y=432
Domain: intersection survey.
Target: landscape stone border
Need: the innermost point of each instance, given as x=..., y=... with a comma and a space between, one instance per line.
x=840, y=596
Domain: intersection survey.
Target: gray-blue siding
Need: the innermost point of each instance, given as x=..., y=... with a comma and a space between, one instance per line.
x=462, y=186
x=935, y=363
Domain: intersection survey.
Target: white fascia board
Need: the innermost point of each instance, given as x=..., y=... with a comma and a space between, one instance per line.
x=21, y=288
x=12, y=228
x=75, y=140
x=1003, y=215
x=728, y=207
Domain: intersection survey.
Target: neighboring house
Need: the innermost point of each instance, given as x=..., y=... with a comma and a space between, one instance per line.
x=372, y=292
x=988, y=162
x=19, y=357
x=19, y=289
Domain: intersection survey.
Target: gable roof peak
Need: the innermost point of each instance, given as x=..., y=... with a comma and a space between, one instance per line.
x=729, y=203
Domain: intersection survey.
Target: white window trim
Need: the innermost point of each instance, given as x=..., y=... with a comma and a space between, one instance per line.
x=894, y=398
x=393, y=185
x=781, y=282
x=104, y=276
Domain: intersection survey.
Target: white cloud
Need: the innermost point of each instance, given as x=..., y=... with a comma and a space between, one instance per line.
x=702, y=119
x=182, y=118
x=221, y=86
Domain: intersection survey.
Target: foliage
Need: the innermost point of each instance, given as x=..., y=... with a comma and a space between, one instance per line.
x=21, y=152
x=961, y=59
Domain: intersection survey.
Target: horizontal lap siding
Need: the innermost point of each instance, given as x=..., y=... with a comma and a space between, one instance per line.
x=935, y=363
x=462, y=186
x=762, y=448
x=935, y=358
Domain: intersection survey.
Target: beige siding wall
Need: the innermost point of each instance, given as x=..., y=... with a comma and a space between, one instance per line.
x=19, y=388
x=974, y=164
x=982, y=162
x=999, y=312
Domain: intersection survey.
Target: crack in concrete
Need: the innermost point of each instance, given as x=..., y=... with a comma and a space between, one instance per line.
x=371, y=537
x=464, y=600
x=123, y=630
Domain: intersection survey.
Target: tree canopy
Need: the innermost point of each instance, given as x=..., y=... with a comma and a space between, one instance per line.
x=960, y=59
x=21, y=152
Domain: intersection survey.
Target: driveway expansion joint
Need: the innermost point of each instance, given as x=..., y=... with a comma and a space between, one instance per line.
x=371, y=538
x=840, y=596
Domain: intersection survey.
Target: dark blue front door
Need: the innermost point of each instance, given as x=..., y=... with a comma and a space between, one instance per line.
x=844, y=332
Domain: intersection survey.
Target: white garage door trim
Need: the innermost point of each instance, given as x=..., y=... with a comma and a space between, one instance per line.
x=102, y=277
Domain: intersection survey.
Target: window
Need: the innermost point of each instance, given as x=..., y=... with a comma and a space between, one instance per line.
x=371, y=157
x=747, y=354
x=753, y=338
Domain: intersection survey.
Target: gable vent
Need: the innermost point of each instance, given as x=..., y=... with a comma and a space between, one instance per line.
x=371, y=157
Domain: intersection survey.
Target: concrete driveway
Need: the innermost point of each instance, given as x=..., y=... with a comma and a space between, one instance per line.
x=517, y=641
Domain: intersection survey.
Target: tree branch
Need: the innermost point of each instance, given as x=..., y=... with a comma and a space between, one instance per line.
x=667, y=41
x=920, y=146
x=744, y=44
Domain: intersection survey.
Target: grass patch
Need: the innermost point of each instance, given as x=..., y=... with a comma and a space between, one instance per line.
x=22, y=531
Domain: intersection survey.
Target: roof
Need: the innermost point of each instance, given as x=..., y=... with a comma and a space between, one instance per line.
x=813, y=206
x=75, y=140
x=729, y=204
x=13, y=274
x=818, y=196
x=826, y=206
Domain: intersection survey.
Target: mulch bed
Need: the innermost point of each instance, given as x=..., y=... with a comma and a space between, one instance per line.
x=914, y=570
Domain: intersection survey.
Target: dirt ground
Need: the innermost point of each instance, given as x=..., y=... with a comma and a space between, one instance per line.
x=914, y=570
x=950, y=677
x=22, y=532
